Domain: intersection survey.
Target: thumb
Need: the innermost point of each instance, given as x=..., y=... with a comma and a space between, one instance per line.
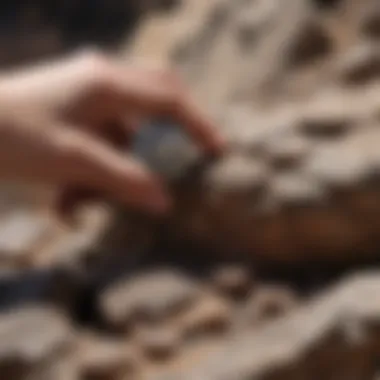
x=88, y=162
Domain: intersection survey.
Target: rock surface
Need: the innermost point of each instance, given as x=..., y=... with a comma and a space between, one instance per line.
x=299, y=111
x=150, y=297
x=294, y=86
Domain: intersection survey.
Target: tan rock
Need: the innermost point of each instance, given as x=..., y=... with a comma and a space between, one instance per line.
x=334, y=335
x=101, y=358
x=159, y=343
x=21, y=232
x=370, y=18
x=287, y=151
x=360, y=65
x=254, y=19
x=268, y=303
x=31, y=336
x=237, y=173
x=232, y=280
x=151, y=296
x=211, y=315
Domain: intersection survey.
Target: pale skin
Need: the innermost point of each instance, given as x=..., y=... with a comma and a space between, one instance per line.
x=52, y=117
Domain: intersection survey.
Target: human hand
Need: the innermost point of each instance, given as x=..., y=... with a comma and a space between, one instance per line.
x=58, y=122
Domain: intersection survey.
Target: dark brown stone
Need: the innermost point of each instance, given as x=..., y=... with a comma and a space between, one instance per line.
x=310, y=43
x=370, y=20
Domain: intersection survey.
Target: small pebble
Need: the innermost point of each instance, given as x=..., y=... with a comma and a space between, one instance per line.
x=232, y=280
x=268, y=303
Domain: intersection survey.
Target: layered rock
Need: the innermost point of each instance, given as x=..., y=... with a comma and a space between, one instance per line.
x=294, y=86
x=299, y=180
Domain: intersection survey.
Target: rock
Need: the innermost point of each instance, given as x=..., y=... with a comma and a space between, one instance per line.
x=254, y=19
x=245, y=130
x=21, y=231
x=287, y=152
x=150, y=296
x=340, y=165
x=231, y=280
x=326, y=120
x=211, y=315
x=73, y=245
x=160, y=343
x=370, y=19
x=101, y=358
x=293, y=190
x=310, y=42
x=167, y=150
x=360, y=65
x=268, y=303
x=30, y=337
x=310, y=340
x=237, y=173
x=62, y=368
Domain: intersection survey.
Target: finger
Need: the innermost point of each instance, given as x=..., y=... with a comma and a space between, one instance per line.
x=162, y=94
x=116, y=133
x=87, y=162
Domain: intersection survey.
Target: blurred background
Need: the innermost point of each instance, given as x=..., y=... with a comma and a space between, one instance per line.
x=276, y=278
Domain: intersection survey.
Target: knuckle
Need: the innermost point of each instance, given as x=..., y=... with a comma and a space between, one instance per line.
x=175, y=92
x=93, y=57
x=70, y=149
x=96, y=67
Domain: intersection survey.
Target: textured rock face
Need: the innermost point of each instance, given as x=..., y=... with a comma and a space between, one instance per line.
x=333, y=329
x=133, y=300
x=30, y=338
x=295, y=89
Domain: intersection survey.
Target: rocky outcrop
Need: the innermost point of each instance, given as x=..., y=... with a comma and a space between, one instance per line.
x=297, y=103
x=333, y=336
x=245, y=281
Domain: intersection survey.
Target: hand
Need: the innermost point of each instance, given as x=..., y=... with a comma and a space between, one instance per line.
x=57, y=120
